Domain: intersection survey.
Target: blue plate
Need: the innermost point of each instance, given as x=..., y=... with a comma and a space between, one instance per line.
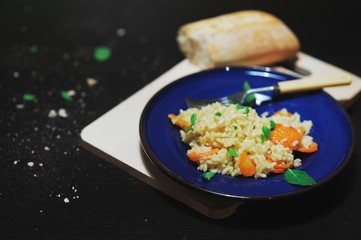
x=162, y=143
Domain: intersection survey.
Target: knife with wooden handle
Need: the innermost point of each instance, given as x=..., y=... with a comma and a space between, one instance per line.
x=314, y=83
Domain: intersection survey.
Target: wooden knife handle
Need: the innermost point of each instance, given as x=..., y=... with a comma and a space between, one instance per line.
x=314, y=83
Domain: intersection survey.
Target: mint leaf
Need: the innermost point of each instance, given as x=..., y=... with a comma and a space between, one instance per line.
x=66, y=96
x=272, y=125
x=102, y=53
x=33, y=49
x=250, y=97
x=239, y=106
x=28, y=97
x=208, y=175
x=298, y=177
x=266, y=132
x=232, y=152
x=193, y=121
x=247, y=110
x=263, y=138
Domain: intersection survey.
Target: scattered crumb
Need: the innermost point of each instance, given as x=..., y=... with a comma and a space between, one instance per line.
x=91, y=82
x=71, y=92
x=66, y=56
x=76, y=63
x=19, y=106
x=52, y=114
x=46, y=148
x=16, y=74
x=121, y=32
x=68, y=198
x=62, y=113
x=30, y=164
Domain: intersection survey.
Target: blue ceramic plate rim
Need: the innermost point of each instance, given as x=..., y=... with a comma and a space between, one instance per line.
x=161, y=141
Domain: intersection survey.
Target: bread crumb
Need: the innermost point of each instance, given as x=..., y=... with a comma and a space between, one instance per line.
x=62, y=113
x=52, y=114
x=20, y=106
x=121, y=32
x=91, y=82
x=16, y=74
x=66, y=56
x=72, y=92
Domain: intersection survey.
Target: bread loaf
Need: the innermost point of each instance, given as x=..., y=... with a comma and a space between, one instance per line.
x=248, y=37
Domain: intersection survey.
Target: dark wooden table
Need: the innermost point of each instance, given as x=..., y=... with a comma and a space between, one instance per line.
x=51, y=187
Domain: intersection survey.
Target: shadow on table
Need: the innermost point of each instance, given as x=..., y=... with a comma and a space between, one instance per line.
x=294, y=210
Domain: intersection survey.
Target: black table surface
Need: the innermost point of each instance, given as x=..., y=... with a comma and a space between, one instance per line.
x=51, y=187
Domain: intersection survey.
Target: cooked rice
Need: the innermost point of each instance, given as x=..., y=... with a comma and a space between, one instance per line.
x=222, y=127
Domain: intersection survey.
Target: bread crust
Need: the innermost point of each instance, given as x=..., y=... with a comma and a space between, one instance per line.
x=248, y=37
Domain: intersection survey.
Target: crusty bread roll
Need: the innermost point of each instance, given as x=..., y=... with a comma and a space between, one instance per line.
x=248, y=37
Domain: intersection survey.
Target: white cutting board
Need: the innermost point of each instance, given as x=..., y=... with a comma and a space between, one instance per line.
x=115, y=136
